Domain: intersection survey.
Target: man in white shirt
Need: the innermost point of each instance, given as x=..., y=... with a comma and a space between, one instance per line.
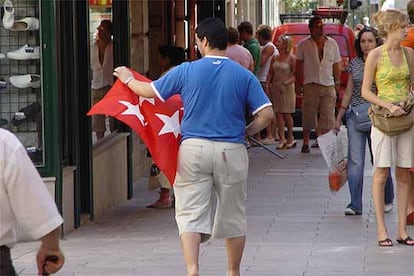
x=320, y=71
x=102, y=65
x=25, y=201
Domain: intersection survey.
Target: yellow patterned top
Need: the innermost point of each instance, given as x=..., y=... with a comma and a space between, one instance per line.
x=392, y=82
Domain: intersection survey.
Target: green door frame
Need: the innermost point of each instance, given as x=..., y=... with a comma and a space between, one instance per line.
x=50, y=128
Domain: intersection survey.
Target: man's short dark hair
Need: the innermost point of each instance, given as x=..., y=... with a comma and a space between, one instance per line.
x=233, y=35
x=264, y=33
x=246, y=27
x=313, y=21
x=215, y=31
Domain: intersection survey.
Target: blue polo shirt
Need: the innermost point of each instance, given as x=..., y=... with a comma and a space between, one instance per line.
x=215, y=92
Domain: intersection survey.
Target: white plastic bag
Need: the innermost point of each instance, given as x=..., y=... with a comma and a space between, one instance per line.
x=334, y=149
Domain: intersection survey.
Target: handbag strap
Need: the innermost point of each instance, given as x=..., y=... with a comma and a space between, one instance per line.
x=410, y=64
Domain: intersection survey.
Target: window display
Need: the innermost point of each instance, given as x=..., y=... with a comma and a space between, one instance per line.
x=20, y=74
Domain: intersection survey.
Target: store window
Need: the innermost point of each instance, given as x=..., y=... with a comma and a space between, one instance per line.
x=21, y=79
x=101, y=63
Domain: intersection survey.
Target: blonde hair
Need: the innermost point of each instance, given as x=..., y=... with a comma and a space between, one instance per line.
x=288, y=41
x=389, y=20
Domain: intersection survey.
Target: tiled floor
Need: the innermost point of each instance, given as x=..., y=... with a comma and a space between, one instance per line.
x=296, y=227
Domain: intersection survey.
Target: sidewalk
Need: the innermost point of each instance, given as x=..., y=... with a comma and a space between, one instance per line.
x=296, y=227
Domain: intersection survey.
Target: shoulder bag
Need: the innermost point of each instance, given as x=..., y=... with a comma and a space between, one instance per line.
x=360, y=115
x=385, y=121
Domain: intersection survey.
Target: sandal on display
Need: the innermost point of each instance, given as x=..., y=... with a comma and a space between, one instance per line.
x=25, y=81
x=291, y=145
x=407, y=241
x=387, y=242
x=27, y=113
x=8, y=17
x=25, y=24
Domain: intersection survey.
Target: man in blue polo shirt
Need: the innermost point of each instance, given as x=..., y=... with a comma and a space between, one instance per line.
x=212, y=157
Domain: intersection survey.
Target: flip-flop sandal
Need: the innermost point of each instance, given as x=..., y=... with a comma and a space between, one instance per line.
x=407, y=241
x=291, y=145
x=386, y=243
x=281, y=145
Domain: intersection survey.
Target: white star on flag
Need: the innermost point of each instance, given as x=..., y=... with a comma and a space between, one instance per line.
x=133, y=110
x=143, y=99
x=171, y=124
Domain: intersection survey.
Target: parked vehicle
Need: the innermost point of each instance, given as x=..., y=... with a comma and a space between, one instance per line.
x=334, y=27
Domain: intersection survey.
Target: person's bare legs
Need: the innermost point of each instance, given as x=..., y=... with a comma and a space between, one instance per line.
x=378, y=184
x=190, y=243
x=306, y=136
x=402, y=175
x=289, y=126
x=270, y=131
x=99, y=135
x=235, y=247
x=281, y=129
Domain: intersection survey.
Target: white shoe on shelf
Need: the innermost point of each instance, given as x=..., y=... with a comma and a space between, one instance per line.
x=25, y=52
x=8, y=17
x=25, y=81
x=2, y=56
x=25, y=24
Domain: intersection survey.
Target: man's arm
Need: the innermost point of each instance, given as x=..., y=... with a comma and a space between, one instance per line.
x=140, y=88
x=265, y=54
x=260, y=121
x=49, y=256
x=299, y=77
x=337, y=76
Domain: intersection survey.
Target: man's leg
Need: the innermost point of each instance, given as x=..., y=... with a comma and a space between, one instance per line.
x=235, y=247
x=309, y=110
x=190, y=243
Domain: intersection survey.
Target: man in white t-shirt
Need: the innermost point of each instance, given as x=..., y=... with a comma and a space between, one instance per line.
x=25, y=201
x=102, y=65
x=318, y=65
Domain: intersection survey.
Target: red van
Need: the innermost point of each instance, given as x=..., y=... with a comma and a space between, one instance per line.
x=343, y=35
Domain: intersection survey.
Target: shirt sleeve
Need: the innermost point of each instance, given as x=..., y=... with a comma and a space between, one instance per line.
x=171, y=83
x=31, y=203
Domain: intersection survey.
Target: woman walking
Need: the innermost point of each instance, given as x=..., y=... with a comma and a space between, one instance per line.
x=352, y=102
x=388, y=66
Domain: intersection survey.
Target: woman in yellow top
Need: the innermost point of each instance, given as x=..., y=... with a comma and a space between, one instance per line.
x=388, y=67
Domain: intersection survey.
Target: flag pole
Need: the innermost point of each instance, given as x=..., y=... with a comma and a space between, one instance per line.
x=266, y=147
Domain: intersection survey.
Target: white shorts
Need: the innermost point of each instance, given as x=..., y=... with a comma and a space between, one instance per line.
x=205, y=166
x=391, y=151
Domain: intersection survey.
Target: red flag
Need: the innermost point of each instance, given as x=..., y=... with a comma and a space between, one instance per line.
x=156, y=122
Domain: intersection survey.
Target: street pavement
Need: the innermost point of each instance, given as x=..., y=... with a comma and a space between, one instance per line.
x=296, y=227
